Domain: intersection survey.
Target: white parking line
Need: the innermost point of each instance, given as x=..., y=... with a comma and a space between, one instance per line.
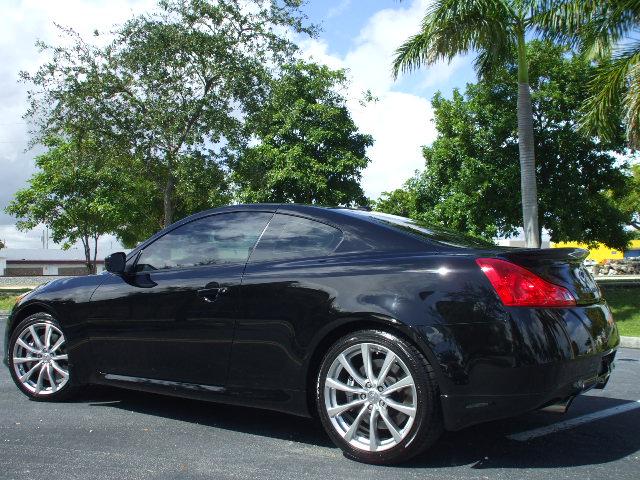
x=573, y=422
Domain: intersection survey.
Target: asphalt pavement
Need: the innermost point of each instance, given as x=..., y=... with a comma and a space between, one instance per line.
x=117, y=434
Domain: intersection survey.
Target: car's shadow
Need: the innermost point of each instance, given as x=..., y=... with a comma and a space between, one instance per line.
x=479, y=447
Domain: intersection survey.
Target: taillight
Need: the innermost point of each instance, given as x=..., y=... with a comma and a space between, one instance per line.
x=518, y=287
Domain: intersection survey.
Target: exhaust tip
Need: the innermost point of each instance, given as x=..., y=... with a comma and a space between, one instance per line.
x=559, y=407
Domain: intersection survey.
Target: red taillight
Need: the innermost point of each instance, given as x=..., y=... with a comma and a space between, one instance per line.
x=518, y=287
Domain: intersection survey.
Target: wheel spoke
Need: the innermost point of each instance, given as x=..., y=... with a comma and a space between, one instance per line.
x=347, y=366
x=356, y=423
x=401, y=407
x=337, y=410
x=47, y=335
x=331, y=383
x=373, y=430
x=26, y=346
x=59, y=369
x=36, y=337
x=60, y=357
x=39, y=384
x=386, y=366
x=390, y=425
x=51, y=377
x=27, y=375
x=25, y=360
x=400, y=384
x=366, y=360
x=57, y=345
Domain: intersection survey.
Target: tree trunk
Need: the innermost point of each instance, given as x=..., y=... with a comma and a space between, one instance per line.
x=95, y=254
x=526, y=147
x=87, y=253
x=168, y=200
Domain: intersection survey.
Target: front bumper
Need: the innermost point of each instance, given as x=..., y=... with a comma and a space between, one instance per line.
x=526, y=360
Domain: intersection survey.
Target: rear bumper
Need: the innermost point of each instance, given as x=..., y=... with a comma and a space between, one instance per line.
x=530, y=359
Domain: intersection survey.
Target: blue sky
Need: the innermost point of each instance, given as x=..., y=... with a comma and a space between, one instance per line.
x=359, y=35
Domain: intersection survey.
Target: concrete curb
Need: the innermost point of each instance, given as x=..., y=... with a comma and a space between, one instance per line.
x=630, y=342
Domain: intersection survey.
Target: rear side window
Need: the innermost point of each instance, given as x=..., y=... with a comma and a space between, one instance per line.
x=221, y=239
x=288, y=237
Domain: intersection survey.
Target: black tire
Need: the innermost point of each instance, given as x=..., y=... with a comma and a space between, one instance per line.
x=427, y=424
x=62, y=393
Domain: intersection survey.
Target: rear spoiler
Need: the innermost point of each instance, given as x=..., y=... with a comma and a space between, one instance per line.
x=571, y=255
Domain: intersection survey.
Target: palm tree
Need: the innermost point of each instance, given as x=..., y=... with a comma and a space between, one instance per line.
x=605, y=31
x=494, y=29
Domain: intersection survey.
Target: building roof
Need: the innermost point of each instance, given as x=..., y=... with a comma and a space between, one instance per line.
x=41, y=255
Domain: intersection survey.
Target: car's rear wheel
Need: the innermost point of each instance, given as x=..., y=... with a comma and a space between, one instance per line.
x=38, y=358
x=377, y=398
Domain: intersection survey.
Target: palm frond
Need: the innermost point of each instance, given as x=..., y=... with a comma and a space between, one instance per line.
x=613, y=82
x=593, y=26
x=452, y=27
x=632, y=107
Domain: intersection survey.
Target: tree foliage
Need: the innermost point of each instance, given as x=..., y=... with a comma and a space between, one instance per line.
x=173, y=86
x=80, y=191
x=309, y=150
x=470, y=182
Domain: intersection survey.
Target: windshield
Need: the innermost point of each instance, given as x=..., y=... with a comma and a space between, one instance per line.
x=434, y=234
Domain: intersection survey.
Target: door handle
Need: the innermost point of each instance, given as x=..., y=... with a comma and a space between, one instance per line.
x=211, y=294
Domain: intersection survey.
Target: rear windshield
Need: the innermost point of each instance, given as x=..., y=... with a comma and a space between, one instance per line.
x=434, y=234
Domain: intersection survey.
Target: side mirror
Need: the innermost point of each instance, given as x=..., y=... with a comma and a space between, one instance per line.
x=116, y=263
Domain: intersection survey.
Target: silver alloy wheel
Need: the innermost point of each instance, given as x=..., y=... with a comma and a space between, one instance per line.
x=40, y=360
x=370, y=397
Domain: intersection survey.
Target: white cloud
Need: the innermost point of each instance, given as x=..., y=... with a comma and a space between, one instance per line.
x=338, y=9
x=400, y=122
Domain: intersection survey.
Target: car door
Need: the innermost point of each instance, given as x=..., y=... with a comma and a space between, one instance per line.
x=284, y=300
x=173, y=317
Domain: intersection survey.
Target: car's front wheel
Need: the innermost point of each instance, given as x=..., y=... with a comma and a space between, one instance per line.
x=377, y=398
x=38, y=358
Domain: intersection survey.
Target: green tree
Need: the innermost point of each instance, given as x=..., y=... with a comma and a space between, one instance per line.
x=470, y=180
x=605, y=31
x=80, y=192
x=174, y=84
x=496, y=30
x=310, y=150
x=401, y=201
x=629, y=201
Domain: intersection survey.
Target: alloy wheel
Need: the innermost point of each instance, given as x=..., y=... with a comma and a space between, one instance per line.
x=40, y=359
x=370, y=397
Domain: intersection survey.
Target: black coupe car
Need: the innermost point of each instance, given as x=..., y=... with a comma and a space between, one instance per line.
x=390, y=332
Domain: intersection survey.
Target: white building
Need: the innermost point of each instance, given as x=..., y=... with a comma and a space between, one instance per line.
x=16, y=262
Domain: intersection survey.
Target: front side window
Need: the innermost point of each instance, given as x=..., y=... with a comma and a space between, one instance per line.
x=221, y=239
x=289, y=237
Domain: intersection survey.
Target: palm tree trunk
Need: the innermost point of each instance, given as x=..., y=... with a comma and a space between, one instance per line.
x=529, y=191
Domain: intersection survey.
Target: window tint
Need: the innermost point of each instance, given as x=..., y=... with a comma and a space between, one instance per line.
x=436, y=234
x=221, y=239
x=289, y=237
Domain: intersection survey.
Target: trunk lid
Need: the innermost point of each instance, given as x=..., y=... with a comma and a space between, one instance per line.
x=560, y=266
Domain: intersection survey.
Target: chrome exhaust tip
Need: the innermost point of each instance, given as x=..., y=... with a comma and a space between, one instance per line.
x=560, y=407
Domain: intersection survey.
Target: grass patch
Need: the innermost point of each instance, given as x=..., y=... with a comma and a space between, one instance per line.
x=7, y=301
x=625, y=305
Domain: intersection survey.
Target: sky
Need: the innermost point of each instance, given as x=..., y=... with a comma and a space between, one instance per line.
x=357, y=35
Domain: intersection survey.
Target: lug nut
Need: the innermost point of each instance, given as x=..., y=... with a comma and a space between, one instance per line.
x=381, y=403
x=363, y=396
x=370, y=407
x=380, y=389
x=368, y=385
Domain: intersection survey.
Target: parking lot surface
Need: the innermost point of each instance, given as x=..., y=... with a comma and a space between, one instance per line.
x=116, y=434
